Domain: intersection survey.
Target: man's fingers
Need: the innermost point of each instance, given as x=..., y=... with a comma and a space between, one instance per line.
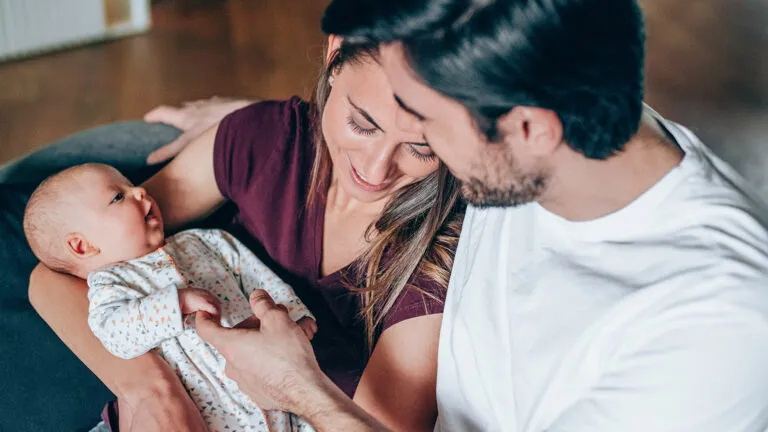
x=261, y=303
x=249, y=323
x=209, y=328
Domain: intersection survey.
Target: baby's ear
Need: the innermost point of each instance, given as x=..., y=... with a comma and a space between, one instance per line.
x=78, y=246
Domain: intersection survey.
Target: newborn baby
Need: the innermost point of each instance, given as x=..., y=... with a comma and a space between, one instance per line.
x=91, y=222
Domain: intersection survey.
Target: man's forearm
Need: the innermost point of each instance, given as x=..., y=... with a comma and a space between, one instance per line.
x=327, y=408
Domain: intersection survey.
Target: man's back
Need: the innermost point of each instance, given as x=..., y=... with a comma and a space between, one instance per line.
x=653, y=318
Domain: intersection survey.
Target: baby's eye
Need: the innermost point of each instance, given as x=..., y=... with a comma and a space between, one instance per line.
x=119, y=197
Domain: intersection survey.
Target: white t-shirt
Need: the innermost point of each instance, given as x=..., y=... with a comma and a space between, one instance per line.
x=652, y=319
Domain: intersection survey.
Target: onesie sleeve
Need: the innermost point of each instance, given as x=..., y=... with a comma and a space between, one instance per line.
x=128, y=321
x=253, y=274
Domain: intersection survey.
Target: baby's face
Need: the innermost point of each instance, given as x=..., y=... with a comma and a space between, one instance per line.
x=115, y=216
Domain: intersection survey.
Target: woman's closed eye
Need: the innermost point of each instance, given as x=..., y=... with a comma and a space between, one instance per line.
x=359, y=129
x=118, y=197
x=413, y=148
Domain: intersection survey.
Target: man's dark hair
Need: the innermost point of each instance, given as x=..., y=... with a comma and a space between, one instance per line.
x=582, y=59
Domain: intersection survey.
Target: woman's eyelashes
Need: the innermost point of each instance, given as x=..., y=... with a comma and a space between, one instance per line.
x=355, y=126
x=419, y=155
x=359, y=129
x=118, y=197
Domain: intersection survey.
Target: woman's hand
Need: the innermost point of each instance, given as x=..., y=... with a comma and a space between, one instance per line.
x=193, y=118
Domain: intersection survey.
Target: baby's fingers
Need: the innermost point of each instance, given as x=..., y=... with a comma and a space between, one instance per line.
x=212, y=304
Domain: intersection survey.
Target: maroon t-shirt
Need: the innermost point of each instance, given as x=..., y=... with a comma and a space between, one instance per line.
x=263, y=158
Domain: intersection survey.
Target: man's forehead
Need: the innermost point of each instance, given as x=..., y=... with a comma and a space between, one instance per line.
x=392, y=56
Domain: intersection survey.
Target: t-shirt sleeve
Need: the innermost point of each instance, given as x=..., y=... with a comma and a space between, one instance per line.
x=421, y=297
x=249, y=140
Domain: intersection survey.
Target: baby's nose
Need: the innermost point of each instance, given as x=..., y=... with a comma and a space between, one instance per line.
x=139, y=193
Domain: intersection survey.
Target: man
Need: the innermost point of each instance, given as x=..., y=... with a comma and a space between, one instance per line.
x=611, y=273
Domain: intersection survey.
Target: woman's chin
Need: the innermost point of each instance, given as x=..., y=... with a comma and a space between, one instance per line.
x=363, y=195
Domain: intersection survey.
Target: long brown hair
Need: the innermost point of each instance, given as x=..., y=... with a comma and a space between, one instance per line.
x=417, y=232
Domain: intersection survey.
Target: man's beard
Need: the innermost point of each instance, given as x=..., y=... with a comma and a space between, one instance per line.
x=524, y=189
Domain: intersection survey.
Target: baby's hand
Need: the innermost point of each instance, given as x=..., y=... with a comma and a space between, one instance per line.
x=309, y=326
x=192, y=300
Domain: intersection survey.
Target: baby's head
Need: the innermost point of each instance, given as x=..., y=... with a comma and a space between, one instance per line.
x=89, y=216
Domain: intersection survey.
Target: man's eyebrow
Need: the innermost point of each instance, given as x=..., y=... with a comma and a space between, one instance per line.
x=408, y=109
x=365, y=114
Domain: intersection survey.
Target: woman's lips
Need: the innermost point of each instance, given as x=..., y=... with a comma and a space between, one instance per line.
x=362, y=184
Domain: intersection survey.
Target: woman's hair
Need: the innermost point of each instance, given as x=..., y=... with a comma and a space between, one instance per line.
x=582, y=59
x=417, y=232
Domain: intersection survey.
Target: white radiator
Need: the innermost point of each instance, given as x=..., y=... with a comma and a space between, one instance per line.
x=34, y=26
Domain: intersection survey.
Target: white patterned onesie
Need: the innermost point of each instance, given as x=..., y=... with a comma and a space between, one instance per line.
x=134, y=308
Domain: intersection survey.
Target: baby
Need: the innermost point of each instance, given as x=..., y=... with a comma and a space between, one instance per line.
x=91, y=222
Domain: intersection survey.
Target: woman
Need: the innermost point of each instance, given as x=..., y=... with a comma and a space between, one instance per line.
x=359, y=216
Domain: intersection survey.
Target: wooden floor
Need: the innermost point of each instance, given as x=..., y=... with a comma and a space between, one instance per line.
x=707, y=67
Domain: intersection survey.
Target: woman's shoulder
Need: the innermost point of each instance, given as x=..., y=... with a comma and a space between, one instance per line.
x=263, y=134
x=266, y=124
x=274, y=113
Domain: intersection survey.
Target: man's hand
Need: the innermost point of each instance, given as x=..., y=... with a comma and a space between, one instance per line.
x=307, y=324
x=193, y=300
x=271, y=360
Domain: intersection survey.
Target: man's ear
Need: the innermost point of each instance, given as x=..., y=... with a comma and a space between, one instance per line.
x=538, y=130
x=334, y=43
x=79, y=247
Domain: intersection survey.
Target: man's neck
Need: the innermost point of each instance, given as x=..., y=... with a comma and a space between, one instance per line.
x=584, y=189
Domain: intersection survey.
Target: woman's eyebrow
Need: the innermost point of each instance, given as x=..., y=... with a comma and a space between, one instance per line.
x=408, y=109
x=365, y=114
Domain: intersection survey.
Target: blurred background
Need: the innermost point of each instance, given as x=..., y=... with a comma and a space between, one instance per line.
x=707, y=68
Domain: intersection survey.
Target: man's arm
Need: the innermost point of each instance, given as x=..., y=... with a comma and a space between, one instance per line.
x=286, y=376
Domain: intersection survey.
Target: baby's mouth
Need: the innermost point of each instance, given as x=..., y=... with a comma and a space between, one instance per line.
x=150, y=215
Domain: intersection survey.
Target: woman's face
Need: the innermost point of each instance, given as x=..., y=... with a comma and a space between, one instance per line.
x=371, y=157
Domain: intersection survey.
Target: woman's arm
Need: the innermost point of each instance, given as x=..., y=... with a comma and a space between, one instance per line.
x=186, y=189
x=398, y=386
x=193, y=118
x=62, y=302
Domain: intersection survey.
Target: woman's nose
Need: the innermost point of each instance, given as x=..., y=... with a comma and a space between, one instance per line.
x=378, y=166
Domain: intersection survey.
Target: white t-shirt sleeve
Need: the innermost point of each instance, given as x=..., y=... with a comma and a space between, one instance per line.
x=703, y=370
